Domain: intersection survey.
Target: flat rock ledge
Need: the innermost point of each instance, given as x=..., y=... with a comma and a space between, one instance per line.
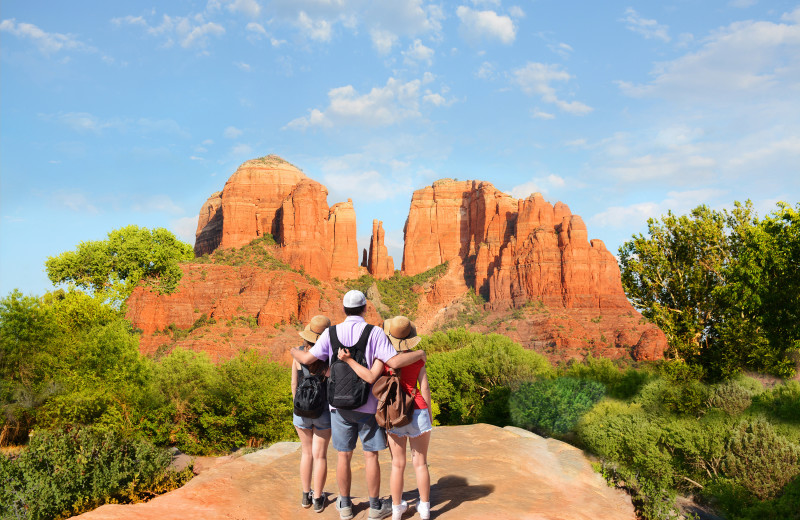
x=477, y=472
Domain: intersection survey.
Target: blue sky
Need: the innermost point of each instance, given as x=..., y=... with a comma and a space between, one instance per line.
x=117, y=113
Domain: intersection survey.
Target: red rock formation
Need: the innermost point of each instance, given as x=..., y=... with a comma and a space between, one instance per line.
x=250, y=307
x=380, y=264
x=342, y=240
x=520, y=250
x=270, y=196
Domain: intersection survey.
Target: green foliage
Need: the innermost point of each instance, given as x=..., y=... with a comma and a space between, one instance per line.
x=204, y=408
x=724, y=287
x=397, y=292
x=782, y=402
x=553, y=406
x=784, y=507
x=759, y=459
x=260, y=252
x=732, y=397
x=620, y=384
x=471, y=313
x=467, y=382
x=115, y=266
x=66, y=472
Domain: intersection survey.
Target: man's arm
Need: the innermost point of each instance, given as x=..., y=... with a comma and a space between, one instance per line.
x=406, y=358
x=303, y=356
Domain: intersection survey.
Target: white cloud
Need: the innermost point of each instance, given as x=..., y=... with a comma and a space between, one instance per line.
x=537, y=79
x=47, y=43
x=242, y=150
x=383, y=41
x=634, y=215
x=539, y=114
x=242, y=66
x=74, y=201
x=485, y=25
x=735, y=63
x=382, y=106
x=185, y=228
x=319, y=29
x=248, y=7
x=189, y=31
x=486, y=71
x=516, y=11
x=647, y=28
x=742, y=4
x=256, y=28
x=417, y=52
x=157, y=204
x=541, y=185
x=232, y=132
x=434, y=98
x=85, y=122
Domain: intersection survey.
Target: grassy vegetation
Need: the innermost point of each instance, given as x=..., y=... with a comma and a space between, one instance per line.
x=397, y=292
x=259, y=252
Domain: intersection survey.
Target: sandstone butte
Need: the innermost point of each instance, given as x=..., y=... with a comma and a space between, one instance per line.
x=545, y=284
x=477, y=472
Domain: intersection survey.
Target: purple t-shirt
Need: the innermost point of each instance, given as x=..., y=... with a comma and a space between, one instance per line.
x=348, y=332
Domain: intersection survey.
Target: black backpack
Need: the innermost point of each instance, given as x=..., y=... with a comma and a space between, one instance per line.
x=310, y=397
x=345, y=389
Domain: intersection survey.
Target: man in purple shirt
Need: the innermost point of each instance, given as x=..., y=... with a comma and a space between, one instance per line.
x=349, y=424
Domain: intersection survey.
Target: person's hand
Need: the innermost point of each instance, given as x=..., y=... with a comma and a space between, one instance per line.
x=344, y=354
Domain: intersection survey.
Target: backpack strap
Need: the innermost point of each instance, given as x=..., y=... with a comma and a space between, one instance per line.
x=360, y=345
x=306, y=372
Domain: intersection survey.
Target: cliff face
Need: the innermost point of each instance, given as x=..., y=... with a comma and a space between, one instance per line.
x=379, y=263
x=545, y=284
x=513, y=251
x=270, y=196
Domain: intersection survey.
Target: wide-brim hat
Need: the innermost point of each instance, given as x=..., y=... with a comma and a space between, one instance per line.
x=315, y=327
x=402, y=332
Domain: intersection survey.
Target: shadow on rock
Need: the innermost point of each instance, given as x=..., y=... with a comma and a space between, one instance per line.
x=452, y=491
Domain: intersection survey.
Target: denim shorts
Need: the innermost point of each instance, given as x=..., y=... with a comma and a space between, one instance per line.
x=347, y=424
x=420, y=423
x=323, y=422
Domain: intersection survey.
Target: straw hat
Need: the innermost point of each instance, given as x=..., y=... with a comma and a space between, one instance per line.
x=315, y=327
x=402, y=332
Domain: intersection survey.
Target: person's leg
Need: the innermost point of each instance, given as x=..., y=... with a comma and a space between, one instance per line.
x=344, y=435
x=419, y=450
x=343, y=476
x=397, y=446
x=306, y=459
x=319, y=451
x=373, y=468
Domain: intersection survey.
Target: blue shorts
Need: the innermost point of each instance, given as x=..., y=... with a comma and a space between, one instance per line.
x=420, y=423
x=347, y=424
x=323, y=422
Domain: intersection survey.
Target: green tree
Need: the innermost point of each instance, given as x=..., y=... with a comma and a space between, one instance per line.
x=721, y=285
x=115, y=266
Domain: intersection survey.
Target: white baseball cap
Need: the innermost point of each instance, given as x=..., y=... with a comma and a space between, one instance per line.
x=354, y=299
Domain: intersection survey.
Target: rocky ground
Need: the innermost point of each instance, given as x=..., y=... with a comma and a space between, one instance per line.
x=477, y=471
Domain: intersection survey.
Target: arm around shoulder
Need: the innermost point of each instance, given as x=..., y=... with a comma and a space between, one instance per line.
x=406, y=358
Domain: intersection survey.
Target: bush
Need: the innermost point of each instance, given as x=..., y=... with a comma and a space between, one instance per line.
x=782, y=401
x=732, y=397
x=759, y=459
x=65, y=472
x=466, y=383
x=618, y=383
x=553, y=407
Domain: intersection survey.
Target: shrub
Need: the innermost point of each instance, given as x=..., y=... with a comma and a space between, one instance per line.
x=553, y=407
x=462, y=380
x=618, y=383
x=782, y=401
x=731, y=397
x=759, y=459
x=65, y=472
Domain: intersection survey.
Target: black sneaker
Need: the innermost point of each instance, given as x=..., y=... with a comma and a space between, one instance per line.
x=319, y=504
x=306, y=500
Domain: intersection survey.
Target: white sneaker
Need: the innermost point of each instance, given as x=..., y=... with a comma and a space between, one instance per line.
x=424, y=510
x=397, y=511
